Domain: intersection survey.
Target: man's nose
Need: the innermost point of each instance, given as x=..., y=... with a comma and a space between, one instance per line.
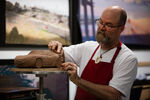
x=102, y=27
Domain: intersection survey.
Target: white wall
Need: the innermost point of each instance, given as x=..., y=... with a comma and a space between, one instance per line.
x=143, y=56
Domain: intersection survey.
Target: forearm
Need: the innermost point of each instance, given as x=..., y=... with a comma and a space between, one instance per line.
x=103, y=92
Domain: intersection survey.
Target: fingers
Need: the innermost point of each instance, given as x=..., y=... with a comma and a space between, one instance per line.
x=59, y=47
x=68, y=66
x=71, y=70
x=52, y=45
x=55, y=46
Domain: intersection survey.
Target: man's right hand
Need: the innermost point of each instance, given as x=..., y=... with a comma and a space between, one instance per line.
x=55, y=46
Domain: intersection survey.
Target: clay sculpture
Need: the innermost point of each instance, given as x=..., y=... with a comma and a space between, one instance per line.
x=39, y=59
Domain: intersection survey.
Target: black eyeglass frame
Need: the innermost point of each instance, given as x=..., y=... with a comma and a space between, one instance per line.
x=97, y=21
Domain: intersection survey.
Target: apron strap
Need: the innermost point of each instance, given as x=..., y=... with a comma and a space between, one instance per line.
x=95, y=51
x=116, y=53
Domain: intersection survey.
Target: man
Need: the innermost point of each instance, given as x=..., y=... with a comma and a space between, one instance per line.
x=107, y=68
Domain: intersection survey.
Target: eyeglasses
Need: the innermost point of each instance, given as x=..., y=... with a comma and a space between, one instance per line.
x=107, y=25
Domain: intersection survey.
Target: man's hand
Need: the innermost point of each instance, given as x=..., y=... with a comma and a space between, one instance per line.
x=71, y=69
x=55, y=46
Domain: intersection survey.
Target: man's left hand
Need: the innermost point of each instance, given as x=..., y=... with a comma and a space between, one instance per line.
x=71, y=70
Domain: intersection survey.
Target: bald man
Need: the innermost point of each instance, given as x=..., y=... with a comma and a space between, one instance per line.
x=107, y=68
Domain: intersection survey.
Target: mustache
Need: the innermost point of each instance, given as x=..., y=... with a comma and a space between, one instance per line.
x=101, y=32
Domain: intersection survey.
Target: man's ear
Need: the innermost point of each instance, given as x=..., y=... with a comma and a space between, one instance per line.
x=121, y=28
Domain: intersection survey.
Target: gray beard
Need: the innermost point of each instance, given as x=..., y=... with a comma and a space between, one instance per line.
x=104, y=40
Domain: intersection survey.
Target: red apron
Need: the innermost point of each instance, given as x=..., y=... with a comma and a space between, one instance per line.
x=100, y=73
